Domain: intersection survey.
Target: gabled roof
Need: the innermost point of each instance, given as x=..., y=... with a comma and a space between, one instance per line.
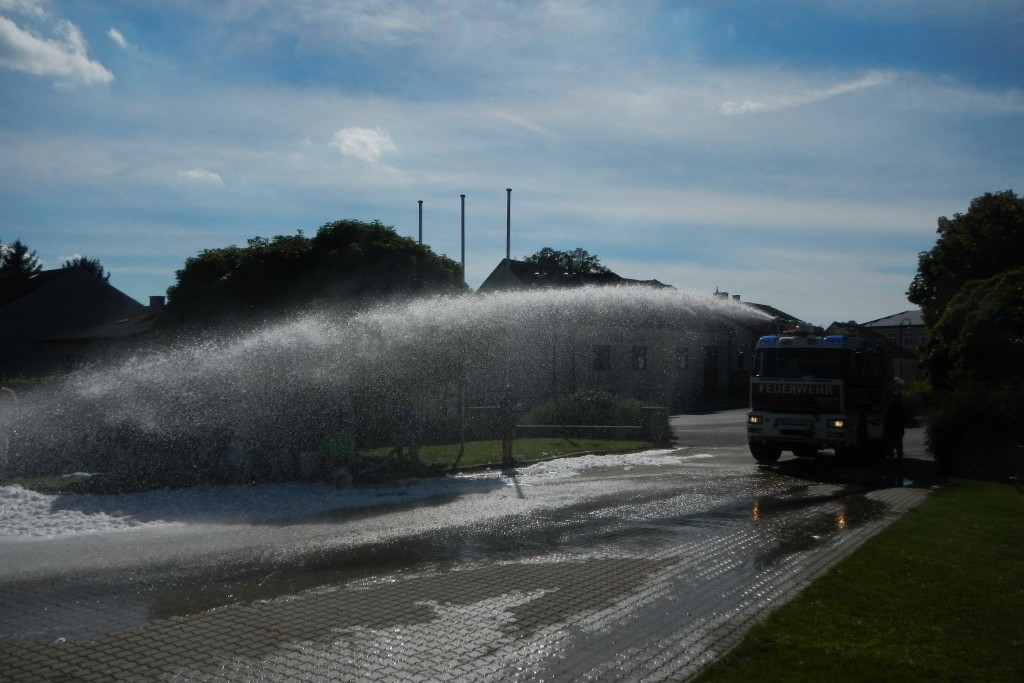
x=913, y=318
x=119, y=329
x=512, y=274
x=781, y=316
x=14, y=286
x=71, y=298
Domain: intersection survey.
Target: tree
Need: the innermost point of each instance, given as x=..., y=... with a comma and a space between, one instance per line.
x=575, y=262
x=90, y=264
x=15, y=258
x=976, y=245
x=980, y=335
x=346, y=261
x=970, y=287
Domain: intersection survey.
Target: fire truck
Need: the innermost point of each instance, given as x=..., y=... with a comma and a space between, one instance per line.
x=812, y=393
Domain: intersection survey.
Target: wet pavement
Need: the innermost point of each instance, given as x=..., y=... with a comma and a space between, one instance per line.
x=635, y=573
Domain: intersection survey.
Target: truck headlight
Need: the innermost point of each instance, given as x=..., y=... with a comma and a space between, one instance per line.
x=755, y=420
x=837, y=424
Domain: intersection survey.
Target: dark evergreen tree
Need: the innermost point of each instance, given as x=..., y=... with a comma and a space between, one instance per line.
x=15, y=258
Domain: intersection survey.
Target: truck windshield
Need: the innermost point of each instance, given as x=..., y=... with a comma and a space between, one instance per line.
x=798, y=363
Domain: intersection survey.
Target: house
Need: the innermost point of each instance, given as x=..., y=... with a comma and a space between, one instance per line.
x=518, y=275
x=41, y=314
x=669, y=356
x=907, y=332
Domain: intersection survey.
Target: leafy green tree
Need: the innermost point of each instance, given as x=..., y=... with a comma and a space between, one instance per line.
x=90, y=264
x=976, y=245
x=575, y=262
x=980, y=336
x=970, y=287
x=15, y=258
x=349, y=262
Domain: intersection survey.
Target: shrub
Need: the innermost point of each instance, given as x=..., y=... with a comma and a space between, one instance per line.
x=971, y=427
x=586, y=408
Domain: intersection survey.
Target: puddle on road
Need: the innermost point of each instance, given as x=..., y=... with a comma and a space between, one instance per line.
x=792, y=527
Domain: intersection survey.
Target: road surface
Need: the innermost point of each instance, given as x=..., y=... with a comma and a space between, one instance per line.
x=629, y=568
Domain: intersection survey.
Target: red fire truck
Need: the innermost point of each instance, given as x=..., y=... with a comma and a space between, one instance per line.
x=809, y=393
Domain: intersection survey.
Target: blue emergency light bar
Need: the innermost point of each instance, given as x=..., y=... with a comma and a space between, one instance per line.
x=835, y=339
x=768, y=339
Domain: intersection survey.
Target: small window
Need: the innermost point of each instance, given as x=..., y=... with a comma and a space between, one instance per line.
x=602, y=357
x=639, y=358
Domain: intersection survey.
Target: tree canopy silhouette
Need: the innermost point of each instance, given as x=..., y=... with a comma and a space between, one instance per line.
x=575, y=262
x=349, y=261
x=90, y=264
x=970, y=287
x=976, y=245
x=16, y=259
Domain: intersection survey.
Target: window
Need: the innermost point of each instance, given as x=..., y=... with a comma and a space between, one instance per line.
x=602, y=357
x=639, y=358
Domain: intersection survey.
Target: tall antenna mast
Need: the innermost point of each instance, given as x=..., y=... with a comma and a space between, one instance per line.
x=508, y=229
x=462, y=197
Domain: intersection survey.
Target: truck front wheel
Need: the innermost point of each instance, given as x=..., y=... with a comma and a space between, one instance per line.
x=765, y=453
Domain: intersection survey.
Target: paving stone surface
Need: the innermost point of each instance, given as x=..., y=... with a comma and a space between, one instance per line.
x=656, y=605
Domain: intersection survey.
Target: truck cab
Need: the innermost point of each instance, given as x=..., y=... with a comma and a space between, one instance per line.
x=811, y=393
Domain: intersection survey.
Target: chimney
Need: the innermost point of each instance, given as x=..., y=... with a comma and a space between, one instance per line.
x=735, y=297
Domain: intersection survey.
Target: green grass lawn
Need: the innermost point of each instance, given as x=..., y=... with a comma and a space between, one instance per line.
x=476, y=453
x=489, y=452
x=937, y=596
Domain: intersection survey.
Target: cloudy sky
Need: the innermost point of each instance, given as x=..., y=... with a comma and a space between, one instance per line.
x=796, y=152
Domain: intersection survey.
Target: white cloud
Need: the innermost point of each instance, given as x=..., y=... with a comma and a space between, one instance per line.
x=366, y=144
x=201, y=175
x=807, y=96
x=118, y=38
x=65, y=55
x=31, y=7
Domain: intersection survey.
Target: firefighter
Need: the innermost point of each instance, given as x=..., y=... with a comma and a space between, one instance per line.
x=893, y=429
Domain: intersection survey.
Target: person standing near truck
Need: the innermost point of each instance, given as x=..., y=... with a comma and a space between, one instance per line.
x=8, y=408
x=894, y=429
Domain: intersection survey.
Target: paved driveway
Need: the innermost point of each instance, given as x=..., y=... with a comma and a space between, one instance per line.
x=629, y=570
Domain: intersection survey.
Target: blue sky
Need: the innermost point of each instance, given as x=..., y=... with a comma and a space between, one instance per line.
x=797, y=153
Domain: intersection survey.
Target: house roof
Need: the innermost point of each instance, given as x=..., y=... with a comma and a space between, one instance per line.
x=913, y=318
x=87, y=307
x=14, y=286
x=119, y=329
x=524, y=275
x=774, y=312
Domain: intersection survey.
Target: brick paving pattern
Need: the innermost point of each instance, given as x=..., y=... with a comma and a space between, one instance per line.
x=655, y=605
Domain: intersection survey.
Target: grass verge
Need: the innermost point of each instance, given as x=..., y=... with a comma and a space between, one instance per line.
x=439, y=457
x=489, y=452
x=937, y=596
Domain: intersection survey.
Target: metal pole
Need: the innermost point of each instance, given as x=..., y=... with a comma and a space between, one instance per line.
x=421, y=222
x=462, y=197
x=508, y=230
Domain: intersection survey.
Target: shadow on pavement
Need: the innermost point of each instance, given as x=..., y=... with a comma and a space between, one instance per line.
x=913, y=472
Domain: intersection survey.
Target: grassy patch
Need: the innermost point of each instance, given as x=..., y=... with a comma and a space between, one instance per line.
x=489, y=452
x=938, y=596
